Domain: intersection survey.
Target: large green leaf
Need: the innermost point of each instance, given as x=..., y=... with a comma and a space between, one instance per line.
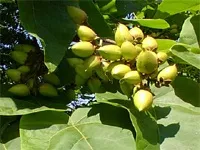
x=164, y=45
x=64, y=71
x=50, y=21
x=191, y=58
x=189, y=92
x=190, y=33
x=37, y=129
x=101, y=127
x=147, y=136
x=180, y=124
x=95, y=19
x=150, y=23
x=171, y=7
x=10, y=105
x=169, y=102
x=9, y=133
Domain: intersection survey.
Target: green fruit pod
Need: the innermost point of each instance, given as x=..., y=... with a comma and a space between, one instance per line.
x=19, y=57
x=128, y=51
x=122, y=34
x=119, y=71
x=101, y=74
x=147, y=62
x=105, y=65
x=149, y=43
x=83, y=72
x=110, y=52
x=19, y=90
x=24, y=69
x=92, y=62
x=14, y=74
x=76, y=14
x=174, y=31
x=48, y=90
x=138, y=48
x=24, y=48
x=83, y=49
x=174, y=26
x=168, y=74
x=30, y=83
x=52, y=79
x=74, y=61
x=79, y=80
x=85, y=33
x=94, y=84
x=71, y=95
x=143, y=100
x=137, y=34
x=162, y=57
x=126, y=88
x=132, y=77
x=112, y=65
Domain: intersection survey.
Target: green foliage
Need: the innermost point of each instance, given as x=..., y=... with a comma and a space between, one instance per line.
x=36, y=122
x=55, y=27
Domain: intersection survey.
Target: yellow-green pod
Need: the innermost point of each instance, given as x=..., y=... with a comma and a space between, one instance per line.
x=122, y=34
x=83, y=49
x=85, y=33
x=143, y=100
x=19, y=90
x=48, y=90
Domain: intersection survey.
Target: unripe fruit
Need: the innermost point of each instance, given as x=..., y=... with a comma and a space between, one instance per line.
x=30, y=83
x=85, y=33
x=174, y=26
x=110, y=52
x=105, y=65
x=154, y=35
x=162, y=57
x=52, y=79
x=122, y=34
x=143, y=100
x=79, y=81
x=24, y=69
x=92, y=62
x=174, y=31
x=83, y=72
x=74, y=61
x=120, y=70
x=19, y=56
x=83, y=49
x=77, y=14
x=147, y=62
x=128, y=51
x=71, y=95
x=24, y=48
x=168, y=74
x=14, y=74
x=19, y=90
x=149, y=43
x=138, y=48
x=48, y=90
x=101, y=74
x=132, y=77
x=112, y=65
x=94, y=84
x=126, y=88
x=137, y=34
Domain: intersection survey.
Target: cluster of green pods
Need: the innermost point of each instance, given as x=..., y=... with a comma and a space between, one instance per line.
x=132, y=59
x=25, y=80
